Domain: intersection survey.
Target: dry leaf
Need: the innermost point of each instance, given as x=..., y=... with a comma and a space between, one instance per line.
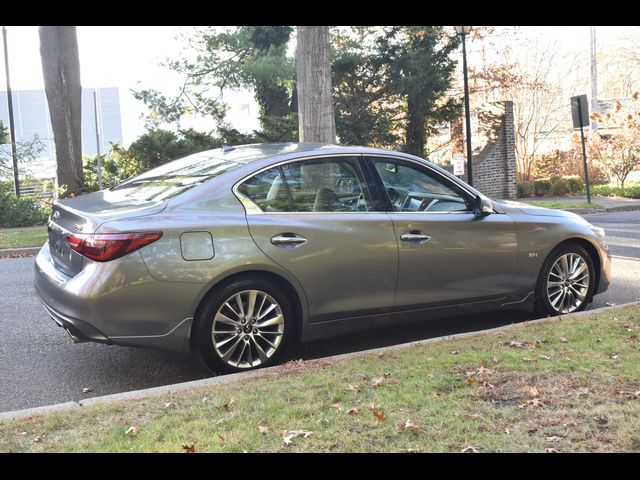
x=544, y=357
x=554, y=439
x=132, y=431
x=353, y=411
x=532, y=391
x=263, y=430
x=222, y=439
x=410, y=425
x=379, y=414
x=227, y=405
x=470, y=449
x=189, y=448
x=495, y=359
x=338, y=406
x=455, y=352
x=288, y=436
x=507, y=431
x=551, y=450
x=87, y=390
x=475, y=415
x=564, y=339
x=613, y=356
x=484, y=372
x=411, y=450
x=376, y=382
x=170, y=405
x=37, y=440
x=582, y=392
x=536, y=402
x=353, y=388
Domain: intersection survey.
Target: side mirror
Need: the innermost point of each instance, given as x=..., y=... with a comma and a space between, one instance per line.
x=482, y=206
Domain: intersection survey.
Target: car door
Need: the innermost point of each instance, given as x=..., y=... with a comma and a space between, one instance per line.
x=447, y=254
x=317, y=218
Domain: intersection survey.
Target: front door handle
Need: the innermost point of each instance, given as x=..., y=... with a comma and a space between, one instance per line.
x=288, y=240
x=415, y=236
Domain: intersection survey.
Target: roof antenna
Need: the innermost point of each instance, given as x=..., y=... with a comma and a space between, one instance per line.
x=227, y=148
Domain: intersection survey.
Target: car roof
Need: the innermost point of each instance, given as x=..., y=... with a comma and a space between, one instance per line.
x=253, y=152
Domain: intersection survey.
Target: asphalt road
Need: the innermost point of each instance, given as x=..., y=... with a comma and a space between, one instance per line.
x=40, y=366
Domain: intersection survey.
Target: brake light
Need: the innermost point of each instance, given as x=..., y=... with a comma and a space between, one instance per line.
x=109, y=246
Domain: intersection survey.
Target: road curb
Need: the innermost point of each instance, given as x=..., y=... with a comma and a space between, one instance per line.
x=271, y=372
x=19, y=252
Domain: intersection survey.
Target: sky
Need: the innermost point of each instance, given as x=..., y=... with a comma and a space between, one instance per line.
x=129, y=57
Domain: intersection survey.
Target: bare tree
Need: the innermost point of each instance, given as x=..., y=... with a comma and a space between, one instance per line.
x=61, y=69
x=316, y=118
x=538, y=79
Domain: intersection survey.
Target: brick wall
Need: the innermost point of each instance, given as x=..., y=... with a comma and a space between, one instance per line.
x=494, y=167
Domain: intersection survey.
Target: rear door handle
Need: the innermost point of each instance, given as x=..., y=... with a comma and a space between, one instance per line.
x=288, y=240
x=415, y=236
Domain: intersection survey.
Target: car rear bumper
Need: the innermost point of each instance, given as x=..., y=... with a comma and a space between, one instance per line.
x=103, y=303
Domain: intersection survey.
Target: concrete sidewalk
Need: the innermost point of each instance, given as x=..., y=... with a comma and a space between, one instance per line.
x=608, y=204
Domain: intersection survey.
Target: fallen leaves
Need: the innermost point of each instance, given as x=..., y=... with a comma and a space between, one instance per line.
x=551, y=450
x=379, y=413
x=517, y=344
x=87, y=390
x=132, y=431
x=470, y=449
x=289, y=435
x=263, y=430
x=376, y=382
x=353, y=411
x=410, y=425
x=189, y=448
x=532, y=391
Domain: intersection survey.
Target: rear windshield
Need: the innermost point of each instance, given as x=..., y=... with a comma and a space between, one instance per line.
x=174, y=178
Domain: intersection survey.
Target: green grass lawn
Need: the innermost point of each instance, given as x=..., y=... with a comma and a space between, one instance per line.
x=23, y=237
x=565, y=204
x=567, y=386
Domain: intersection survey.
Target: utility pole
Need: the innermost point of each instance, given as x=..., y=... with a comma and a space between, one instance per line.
x=99, y=164
x=12, y=131
x=595, y=108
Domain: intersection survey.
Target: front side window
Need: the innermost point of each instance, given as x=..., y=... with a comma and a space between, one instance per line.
x=412, y=188
x=325, y=185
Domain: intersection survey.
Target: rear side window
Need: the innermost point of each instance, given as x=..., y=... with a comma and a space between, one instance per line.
x=172, y=178
x=326, y=185
x=268, y=191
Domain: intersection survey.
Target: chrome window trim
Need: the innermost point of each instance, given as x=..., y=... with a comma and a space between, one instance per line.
x=253, y=209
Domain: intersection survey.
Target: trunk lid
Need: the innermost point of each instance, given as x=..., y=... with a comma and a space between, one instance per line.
x=84, y=215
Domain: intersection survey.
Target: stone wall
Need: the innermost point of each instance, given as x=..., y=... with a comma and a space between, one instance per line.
x=494, y=167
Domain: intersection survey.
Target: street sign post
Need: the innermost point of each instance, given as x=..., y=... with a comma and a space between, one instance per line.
x=580, y=117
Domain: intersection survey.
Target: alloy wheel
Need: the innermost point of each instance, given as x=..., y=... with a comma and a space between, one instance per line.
x=568, y=283
x=247, y=329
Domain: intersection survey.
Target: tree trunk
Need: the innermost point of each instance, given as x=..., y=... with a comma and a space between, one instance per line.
x=316, y=119
x=416, y=116
x=61, y=69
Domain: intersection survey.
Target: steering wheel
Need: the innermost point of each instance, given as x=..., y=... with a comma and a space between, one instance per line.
x=361, y=204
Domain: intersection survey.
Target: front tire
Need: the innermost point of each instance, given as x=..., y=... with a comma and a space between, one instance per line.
x=244, y=325
x=566, y=282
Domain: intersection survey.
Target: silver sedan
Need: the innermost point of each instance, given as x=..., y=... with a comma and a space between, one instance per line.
x=234, y=253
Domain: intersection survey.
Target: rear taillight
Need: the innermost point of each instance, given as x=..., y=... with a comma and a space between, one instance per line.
x=109, y=246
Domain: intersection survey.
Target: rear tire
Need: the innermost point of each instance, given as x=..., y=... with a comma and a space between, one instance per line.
x=242, y=326
x=566, y=281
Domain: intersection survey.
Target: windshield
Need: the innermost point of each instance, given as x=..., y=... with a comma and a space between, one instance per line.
x=173, y=178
